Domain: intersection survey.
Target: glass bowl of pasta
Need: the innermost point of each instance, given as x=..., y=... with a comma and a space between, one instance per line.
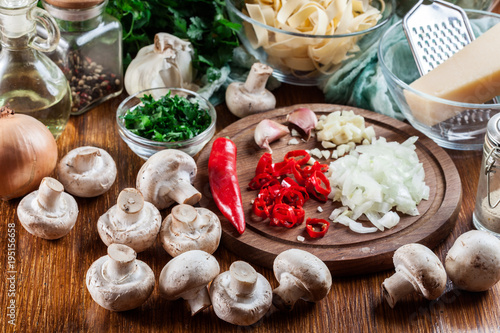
x=306, y=41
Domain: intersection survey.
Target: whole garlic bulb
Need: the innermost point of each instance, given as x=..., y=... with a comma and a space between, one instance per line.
x=166, y=63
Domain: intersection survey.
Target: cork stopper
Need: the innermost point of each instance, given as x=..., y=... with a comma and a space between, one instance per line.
x=74, y=4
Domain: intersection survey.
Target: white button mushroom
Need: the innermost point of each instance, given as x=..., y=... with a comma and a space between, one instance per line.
x=187, y=276
x=244, y=99
x=132, y=221
x=188, y=228
x=118, y=281
x=166, y=177
x=473, y=262
x=241, y=296
x=48, y=212
x=87, y=171
x=301, y=275
x=417, y=269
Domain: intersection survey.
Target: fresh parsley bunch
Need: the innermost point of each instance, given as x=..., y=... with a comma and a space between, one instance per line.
x=203, y=23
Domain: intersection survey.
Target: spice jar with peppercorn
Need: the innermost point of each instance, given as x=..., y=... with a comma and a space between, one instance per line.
x=89, y=52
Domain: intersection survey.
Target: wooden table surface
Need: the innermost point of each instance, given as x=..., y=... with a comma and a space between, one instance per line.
x=47, y=280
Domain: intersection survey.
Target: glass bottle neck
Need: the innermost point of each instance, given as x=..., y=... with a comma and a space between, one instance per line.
x=15, y=43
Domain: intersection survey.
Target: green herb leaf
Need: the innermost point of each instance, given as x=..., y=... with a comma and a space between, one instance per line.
x=169, y=119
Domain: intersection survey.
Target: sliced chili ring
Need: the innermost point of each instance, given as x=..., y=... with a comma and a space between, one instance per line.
x=259, y=180
x=291, y=196
x=296, y=153
x=260, y=208
x=288, y=182
x=265, y=164
x=284, y=214
x=314, y=186
x=284, y=168
x=317, y=228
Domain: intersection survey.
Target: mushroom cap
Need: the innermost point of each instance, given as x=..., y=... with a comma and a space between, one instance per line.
x=312, y=272
x=473, y=262
x=95, y=180
x=186, y=274
x=203, y=233
x=422, y=268
x=47, y=225
x=128, y=293
x=139, y=235
x=162, y=172
x=241, y=308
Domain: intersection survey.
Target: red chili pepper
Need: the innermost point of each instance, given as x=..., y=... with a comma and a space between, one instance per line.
x=312, y=226
x=265, y=164
x=314, y=186
x=223, y=181
x=259, y=180
x=284, y=168
x=296, y=153
x=260, y=208
x=284, y=214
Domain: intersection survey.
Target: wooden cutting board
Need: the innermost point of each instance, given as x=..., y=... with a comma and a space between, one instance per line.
x=344, y=252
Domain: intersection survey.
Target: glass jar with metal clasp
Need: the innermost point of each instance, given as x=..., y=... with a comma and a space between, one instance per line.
x=486, y=214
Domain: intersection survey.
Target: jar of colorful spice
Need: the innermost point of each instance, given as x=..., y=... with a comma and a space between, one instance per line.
x=89, y=51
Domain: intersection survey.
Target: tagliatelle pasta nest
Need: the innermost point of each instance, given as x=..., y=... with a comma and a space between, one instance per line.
x=311, y=17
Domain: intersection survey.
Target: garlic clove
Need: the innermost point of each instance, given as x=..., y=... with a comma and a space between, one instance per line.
x=303, y=120
x=268, y=131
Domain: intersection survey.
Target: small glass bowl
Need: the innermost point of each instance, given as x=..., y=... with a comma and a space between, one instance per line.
x=464, y=131
x=143, y=147
x=294, y=43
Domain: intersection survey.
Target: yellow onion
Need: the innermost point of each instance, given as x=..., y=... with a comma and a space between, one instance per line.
x=28, y=153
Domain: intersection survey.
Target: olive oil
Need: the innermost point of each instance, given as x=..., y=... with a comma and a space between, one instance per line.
x=52, y=111
x=31, y=83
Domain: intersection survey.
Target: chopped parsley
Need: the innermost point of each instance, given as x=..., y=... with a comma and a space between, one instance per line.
x=169, y=119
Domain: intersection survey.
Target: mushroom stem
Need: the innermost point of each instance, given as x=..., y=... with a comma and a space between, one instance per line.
x=257, y=78
x=200, y=301
x=243, y=278
x=121, y=263
x=184, y=192
x=183, y=219
x=288, y=292
x=86, y=159
x=396, y=287
x=49, y=194
x=130, y=203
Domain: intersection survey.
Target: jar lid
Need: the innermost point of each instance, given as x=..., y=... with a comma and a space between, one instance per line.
x=493, y=129
x=74, y=4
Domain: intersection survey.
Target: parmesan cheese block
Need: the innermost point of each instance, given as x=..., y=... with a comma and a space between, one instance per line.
x=472, y=75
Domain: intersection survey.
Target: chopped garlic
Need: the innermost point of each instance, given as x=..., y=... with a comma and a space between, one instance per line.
x=320, y=209
x=300, y=238
x=316, y=153
x=328, y=144
x=293, y=142
x=294, y=132
x=311, y=161
x=343, y=127
x=326, y=154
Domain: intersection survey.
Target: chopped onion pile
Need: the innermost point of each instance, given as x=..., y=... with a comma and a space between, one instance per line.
x=375, y=178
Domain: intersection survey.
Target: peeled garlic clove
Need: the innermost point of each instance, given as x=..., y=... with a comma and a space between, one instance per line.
x=303, y=120
x=268, y=131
